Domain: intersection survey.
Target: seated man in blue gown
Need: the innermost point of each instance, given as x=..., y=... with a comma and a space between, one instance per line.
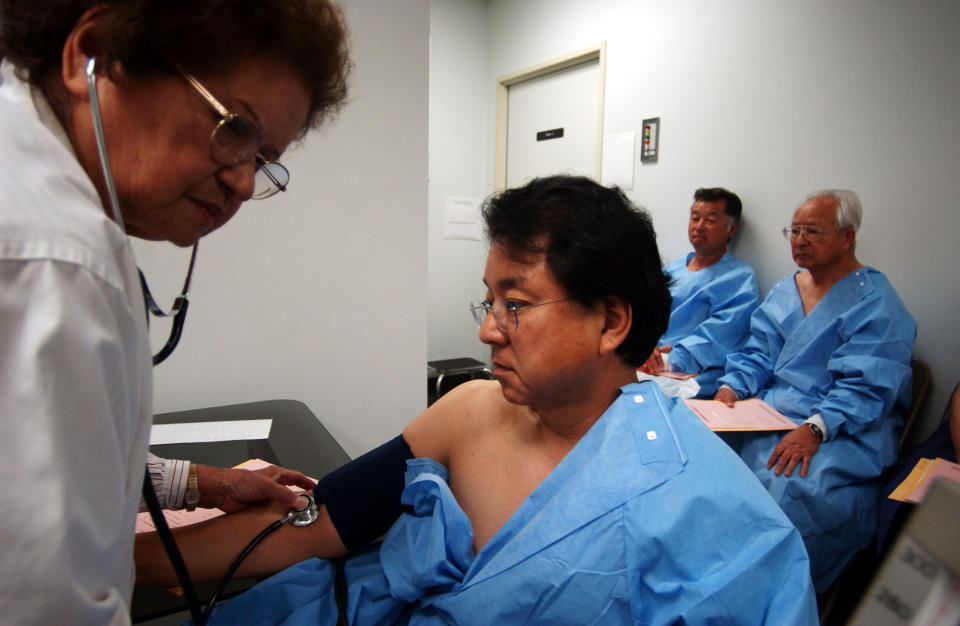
x=563, y=492
x=713, y=292
x=830, y=348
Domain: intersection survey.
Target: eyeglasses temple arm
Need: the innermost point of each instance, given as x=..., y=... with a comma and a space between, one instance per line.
x=219, y=108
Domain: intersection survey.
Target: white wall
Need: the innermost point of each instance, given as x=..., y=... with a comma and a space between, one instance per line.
x=320, y=294
x=774, y=99
x=460, y=165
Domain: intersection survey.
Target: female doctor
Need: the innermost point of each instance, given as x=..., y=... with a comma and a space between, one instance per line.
x=196, y=102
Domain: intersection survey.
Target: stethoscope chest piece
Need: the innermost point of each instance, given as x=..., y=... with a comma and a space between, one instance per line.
x=306, y=515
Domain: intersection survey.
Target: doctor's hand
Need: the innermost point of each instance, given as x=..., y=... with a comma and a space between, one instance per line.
x=727, y=396
x=232, y=489
x=797, y=446
x=654, y=364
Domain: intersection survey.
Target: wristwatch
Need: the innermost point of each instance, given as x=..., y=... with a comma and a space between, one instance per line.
x=815, y=430
x=192, y=497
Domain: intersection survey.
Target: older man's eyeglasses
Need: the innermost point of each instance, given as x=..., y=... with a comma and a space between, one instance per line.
x=505, y=313
x=810, y=233
x=236, y=139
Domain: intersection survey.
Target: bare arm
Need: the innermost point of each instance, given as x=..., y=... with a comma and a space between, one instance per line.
x=209, y=548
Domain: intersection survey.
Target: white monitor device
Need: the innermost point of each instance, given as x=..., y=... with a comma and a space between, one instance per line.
x=919, y=581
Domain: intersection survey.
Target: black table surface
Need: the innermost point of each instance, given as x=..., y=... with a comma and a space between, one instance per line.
x=297, y=440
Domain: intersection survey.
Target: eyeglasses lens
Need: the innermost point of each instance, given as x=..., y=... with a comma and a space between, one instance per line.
x=234, y=140
x=480, y=312
x=506, y=320
x=271, y=177
x=810, y=233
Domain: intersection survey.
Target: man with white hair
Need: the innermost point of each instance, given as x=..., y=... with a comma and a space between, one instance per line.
x=830, y=348
x=713, y=293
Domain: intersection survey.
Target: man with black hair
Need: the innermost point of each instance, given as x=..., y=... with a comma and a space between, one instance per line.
x=713, y=292
x=564, y=491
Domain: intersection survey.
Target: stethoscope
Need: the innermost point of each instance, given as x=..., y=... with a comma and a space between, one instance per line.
x=302, y=516
x=179, y=309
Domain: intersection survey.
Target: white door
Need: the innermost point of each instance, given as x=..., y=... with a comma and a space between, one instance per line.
x=550, y=120
x=552, y=125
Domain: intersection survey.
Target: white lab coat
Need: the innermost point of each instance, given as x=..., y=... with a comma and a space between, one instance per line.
x=75, y=380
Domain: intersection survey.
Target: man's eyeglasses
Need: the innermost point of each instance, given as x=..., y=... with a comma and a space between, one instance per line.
x=236, y=139
x=810, y=233
x=504, y=313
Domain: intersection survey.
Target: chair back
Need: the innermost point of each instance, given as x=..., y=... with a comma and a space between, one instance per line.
x=921, y=388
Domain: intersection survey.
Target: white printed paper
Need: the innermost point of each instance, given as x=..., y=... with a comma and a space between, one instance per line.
x=193, y=432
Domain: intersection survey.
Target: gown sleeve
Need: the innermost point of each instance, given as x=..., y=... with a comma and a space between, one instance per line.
x=749, y=371
x=733, y=297
x=870, y=367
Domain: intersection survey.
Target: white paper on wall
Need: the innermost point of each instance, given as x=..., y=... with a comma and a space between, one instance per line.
x=461, y=218
x=619, y=150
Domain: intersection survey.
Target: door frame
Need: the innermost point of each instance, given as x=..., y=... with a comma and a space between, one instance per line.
x=578, y=57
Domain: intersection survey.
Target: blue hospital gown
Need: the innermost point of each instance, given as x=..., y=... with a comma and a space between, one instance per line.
x=709, y=317
x=650, y=519
x=848, y=360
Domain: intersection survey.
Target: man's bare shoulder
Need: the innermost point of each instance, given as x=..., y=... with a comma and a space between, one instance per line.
x=463, y=412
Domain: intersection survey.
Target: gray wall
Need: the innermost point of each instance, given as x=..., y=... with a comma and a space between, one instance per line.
x=771, y=99
x=461, y=140
x=320, y=294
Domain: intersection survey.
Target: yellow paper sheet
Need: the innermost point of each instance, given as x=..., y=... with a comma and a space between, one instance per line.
x=914, y=487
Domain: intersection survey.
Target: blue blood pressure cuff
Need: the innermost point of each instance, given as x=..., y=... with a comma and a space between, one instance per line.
x=363, y=496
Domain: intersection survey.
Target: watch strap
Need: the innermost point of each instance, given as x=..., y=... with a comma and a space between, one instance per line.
x=192, y=497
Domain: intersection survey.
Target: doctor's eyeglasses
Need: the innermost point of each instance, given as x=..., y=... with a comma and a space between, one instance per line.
x=236, y=139
x=504, y=313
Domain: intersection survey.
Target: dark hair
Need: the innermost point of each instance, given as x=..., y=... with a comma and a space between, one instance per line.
x=147, y=36
x=732, y=205
x=596, y=244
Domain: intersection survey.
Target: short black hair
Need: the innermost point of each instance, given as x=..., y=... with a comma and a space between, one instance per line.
x=732, y=205
x=597, y=244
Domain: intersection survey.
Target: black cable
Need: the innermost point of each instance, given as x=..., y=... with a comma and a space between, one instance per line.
x=166, y=537
x=340, y=590
x=233, y=568
x=179, y=317
x=175, y=331
x=183, y=575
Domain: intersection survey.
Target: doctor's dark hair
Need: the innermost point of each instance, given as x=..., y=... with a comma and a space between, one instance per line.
x=597, y=245
x=732, y=205
x=149, y=37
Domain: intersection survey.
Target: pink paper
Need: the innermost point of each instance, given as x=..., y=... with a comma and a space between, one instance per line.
x=939, y=468
x=752, y=414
